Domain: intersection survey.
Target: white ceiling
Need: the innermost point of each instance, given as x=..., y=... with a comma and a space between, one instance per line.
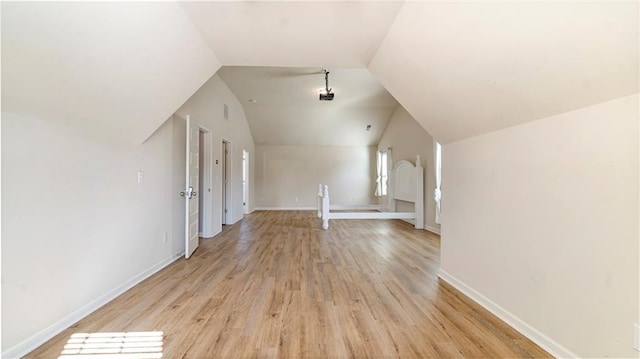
x=290, y=33
x=113, y=69
x=459, y=68
x=464, y=69
x=287, y=110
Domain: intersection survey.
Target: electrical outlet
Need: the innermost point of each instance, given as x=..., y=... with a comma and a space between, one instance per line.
x=636, y=337
x=164, y=237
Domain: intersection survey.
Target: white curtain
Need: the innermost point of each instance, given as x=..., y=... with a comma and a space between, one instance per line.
x=386, y=157
x=383, y=163
x=437, y=161
x=378, y=192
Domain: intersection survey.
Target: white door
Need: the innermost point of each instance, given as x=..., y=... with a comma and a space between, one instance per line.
x=192, y=191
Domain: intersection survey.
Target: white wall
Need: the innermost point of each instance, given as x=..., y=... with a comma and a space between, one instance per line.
x=288, y=176
x=206, y=107
x=541, y=221
x=407, y=138
x=77, y=227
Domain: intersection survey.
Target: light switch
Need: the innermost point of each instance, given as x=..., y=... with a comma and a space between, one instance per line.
x=140, y=176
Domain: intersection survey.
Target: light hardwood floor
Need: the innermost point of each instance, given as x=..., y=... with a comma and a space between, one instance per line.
x=277, y=285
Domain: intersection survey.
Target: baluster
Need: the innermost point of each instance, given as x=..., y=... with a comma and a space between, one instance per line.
x=325, y=207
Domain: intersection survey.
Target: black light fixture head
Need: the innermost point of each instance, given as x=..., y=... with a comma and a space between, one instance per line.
x=326, y=94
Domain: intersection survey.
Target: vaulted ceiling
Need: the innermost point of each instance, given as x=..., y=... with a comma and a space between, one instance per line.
x=285, y=109
x=113, y=69
x=294, y=33
x=461, y=69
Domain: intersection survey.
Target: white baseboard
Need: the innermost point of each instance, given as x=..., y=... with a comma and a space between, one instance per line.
x=512, y=320
x=410, y=221
x=426, y=228
x=36, y=340
x=432, y=229
x=285, y=209
x=208, y=235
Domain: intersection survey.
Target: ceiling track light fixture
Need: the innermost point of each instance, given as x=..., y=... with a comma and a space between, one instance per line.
x=326, y=95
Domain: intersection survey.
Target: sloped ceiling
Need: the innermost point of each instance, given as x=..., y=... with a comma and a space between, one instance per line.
x=290, y=33
x=287, y=111
x=114, y=69
x=459, y=68
x=463, y=69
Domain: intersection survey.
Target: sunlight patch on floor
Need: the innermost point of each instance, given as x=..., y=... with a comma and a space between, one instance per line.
x=115, y=345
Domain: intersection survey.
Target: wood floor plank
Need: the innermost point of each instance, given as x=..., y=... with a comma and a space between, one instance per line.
x=276, y=285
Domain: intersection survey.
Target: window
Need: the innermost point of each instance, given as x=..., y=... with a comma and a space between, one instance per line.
x=382, y=173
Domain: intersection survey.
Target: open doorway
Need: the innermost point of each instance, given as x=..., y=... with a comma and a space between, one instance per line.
x=205, y=228
x=245, y=181
x=226, y=181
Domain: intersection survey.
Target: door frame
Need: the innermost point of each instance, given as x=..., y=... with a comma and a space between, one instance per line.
x=227, y=183
x=207, y=180
x=245, y=181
